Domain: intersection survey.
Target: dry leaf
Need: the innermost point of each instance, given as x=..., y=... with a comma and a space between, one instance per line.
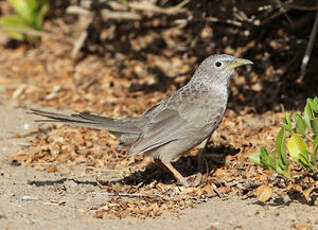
x=302, y=226
x=20, y=156
x=51, y=169
x=307, y=192
x=264, y=193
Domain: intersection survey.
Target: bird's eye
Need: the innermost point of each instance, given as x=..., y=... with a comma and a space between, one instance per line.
x=218, y=64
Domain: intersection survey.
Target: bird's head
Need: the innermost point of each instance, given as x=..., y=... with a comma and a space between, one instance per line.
x=218, y=68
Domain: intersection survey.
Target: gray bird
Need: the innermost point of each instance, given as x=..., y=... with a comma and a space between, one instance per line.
x=175, y=125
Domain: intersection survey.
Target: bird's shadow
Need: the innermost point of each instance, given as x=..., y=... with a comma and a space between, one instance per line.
x=187, y=166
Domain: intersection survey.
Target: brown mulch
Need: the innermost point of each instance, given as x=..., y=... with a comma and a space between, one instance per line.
x=120, y=85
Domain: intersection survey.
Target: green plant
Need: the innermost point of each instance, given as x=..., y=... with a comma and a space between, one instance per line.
x=303, y=133
x=30, y=15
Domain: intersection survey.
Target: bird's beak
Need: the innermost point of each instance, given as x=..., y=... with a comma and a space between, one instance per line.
x=239, y=62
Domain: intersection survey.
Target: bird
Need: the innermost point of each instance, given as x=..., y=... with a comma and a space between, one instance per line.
x=183, y=120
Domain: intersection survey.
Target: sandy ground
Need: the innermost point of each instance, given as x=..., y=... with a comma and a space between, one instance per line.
x=30, y=199
x=130, y=68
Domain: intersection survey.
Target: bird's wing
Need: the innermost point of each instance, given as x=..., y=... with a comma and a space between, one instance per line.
x=172, y=123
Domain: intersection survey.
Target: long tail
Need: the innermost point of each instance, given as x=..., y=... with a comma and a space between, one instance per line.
x=124, y=126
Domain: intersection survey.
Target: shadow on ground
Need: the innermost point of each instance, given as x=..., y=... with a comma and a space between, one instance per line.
x=187, y=166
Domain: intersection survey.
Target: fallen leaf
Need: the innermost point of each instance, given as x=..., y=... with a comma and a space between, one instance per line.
x=307, y=192
x=20, y=156
x=264, y=193
x=51, y=169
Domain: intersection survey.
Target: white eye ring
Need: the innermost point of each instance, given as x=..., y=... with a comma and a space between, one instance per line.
x=218, y=64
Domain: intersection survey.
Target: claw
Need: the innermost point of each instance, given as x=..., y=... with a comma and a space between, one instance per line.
x=186, y=183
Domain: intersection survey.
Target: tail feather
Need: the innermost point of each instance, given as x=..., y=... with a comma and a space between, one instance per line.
x=89, y=120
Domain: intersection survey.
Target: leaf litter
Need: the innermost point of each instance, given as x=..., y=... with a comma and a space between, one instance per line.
x=119, y=86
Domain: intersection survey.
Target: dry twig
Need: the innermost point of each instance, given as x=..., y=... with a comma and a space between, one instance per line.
x=32, y=32
x=150, y=7
x=81, y=40
x=127, y=194
x=119, y=15
x=310, y=45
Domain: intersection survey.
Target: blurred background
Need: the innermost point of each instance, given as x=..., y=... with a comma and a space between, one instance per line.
x=89, y=54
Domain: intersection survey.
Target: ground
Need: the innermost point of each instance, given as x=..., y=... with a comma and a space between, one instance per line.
x=62, y=177
x=31, y=199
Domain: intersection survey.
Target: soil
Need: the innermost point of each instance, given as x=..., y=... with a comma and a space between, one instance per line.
x=55, y=176
x=31, y=199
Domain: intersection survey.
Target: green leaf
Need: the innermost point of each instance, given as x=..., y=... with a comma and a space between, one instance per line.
x=280, y=148
x=286, y=127
x=272, y=162
x=313, y=160
x=286, y=174
x=280, y=141
x=38, y=20
x=264, y=156
x=306, y=162
x=287, y=120
x=284, y=171
x=300, y=124
x=309, y=100
x=12, y=23
x=315, y=145
x=25, y=8
x=306, y=155
x=296, y=146
x=314, y=104
x=303, y=161
x=308, y=114
x=268, y=160
x=256, y=158
x=314, y=126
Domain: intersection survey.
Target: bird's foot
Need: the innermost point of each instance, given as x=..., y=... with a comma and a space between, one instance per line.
x=189, y=182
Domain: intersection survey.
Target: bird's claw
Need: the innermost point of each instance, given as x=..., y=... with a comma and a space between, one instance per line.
x=186, y=183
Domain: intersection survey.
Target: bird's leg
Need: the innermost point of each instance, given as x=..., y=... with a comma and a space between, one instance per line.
x=182, y=180
x=159, y=163
x=201, y=154
x=167, y=166
x=201, y=162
